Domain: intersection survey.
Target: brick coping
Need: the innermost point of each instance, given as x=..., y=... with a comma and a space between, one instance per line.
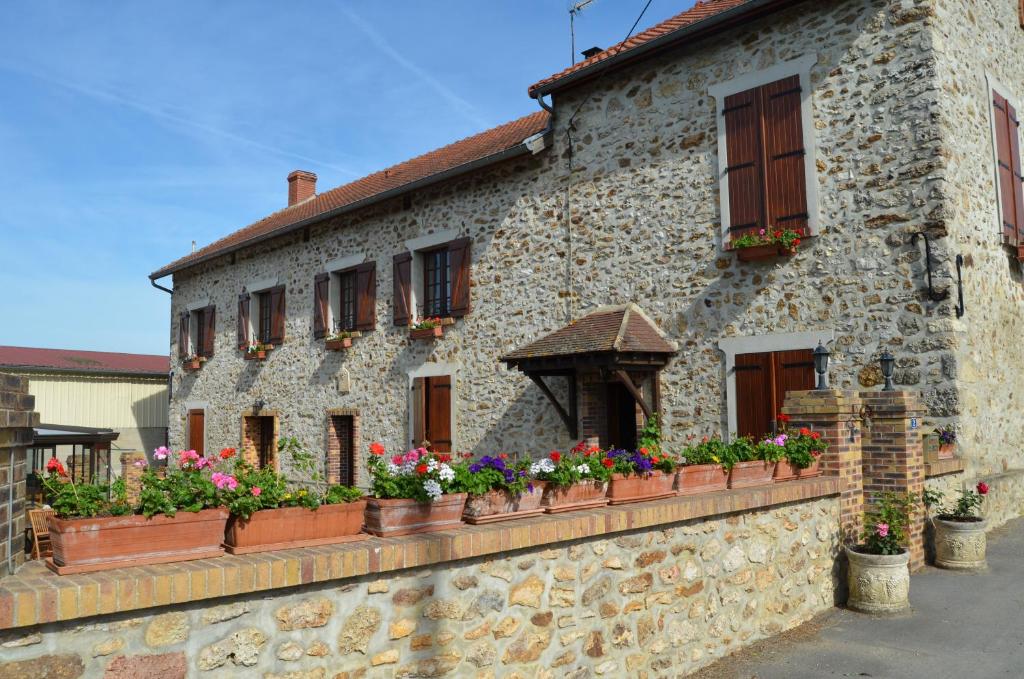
x=954, y=465
x=35, y=596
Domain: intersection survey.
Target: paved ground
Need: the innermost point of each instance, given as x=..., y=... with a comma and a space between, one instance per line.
x=962, y=625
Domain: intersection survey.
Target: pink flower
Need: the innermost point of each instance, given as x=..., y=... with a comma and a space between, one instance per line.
x=223, y=481
x=161, y=453
x=761, y=232
x=780, y=440
x=140, y=463
x=882, y=529
x=256, y=490
x=202, y=463
x=982, y=488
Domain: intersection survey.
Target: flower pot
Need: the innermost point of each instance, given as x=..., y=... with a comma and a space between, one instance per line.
x=947, y=451
x=753, y=473
x=426, y=333
x=960, y=545
x=338, y=344
x=499, y=505
x=878, y=583
x=389, y=517
x=86, y=545
x=583, y=495
x=701, y=478
x=287, y=527
x=786, y=471
x=761, y=252
x=255, y=355
x=192, y=366
x=623, y=489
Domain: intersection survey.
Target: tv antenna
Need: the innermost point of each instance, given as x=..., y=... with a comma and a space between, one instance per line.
x=575, y=9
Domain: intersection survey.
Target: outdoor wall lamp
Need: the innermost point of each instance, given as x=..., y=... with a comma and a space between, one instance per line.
x=257, y=406
x=888, y=364
x=821, y=355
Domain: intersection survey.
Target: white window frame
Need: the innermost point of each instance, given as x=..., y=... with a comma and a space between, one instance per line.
x=253, y=289
x=756, y=344
x=435, y=370
x=992, y=85
x=785, y=69
x=416, y=246
x=334, y=269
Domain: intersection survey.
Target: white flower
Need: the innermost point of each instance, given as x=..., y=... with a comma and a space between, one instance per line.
x=446, y=473
x=394, y=469
x=541, y=467
x=583, y=469
x=433, y=488
x=432, y=464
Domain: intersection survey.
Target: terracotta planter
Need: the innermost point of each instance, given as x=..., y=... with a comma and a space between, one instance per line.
x=192, y=366
x=784, y=471
x=583, y=495
x=761, y=252
x=947, y=451
x=338, y=344
x=385, y=518
x=255, y=355
x=878, y=583
x=287, y=527
x=753, y=473
x=426, y=333
x=498, y=505
x=624, y=489
x=701, y=478
x=960, y=545
x=86, y=545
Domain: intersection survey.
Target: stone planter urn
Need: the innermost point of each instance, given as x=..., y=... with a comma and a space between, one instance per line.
x=959, y=544
x=878, y=583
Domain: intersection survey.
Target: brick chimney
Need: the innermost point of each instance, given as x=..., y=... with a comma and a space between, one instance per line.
x=301, y=186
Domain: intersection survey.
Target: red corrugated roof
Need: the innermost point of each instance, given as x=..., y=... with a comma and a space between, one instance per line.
x=83, y=361
x=699, y=12
x=477, y=147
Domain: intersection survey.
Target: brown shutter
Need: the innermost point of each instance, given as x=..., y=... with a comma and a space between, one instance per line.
x=743, y=145
x=460, y=261
x=366, y=296
x=209, y=330
x=402, y=287
x=277, y=315
x=1013, y=129
x=1005, y=165
x=753, y=394
x=183, y=334
x=794, y=371
x=419, y=411
x=243, y=320
x=197, y=431
x=786, y=185
x=321, y=300
x=439, y=413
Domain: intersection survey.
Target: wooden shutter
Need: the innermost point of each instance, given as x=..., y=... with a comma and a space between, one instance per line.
x=321, y=300
x=753, y=394
x=783, y=137
x=366, y=296
x=402, y=287
x=277, y=315
x=439, y=413
x=460, y=261
x=243, y=320
x=183, y=339
x=197, y=431
x=793, y=371
x=1013, y=128
x=419, y=411
x=209, y=330
x=1008, y=167
x=744, y=171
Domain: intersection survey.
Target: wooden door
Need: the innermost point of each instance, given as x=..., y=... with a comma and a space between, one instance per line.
x=621, y=413
x=439, y=413
x=197, y=431
x=762, y=381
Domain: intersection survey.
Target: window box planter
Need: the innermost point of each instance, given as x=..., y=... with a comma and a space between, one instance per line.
x=584, y=495
x=287, y=527
x=753, y=473
x=260, y=355
x=785, y=471
x=105, y=543
x=701, y=478
x=426, y=333
x=623, y=489
x=959, y=544
x=338, y=344
x=761, y=252
x=500, y=505
x=385, y=518
x=193, y=365
x=878, y=583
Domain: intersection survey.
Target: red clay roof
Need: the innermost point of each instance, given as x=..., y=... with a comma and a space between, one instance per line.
x=610, y=329
x=478, y=147
x=697, y=13
x=83, y=361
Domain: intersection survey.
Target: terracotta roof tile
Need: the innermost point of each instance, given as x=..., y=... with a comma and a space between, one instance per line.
x=697, y=13
x=621, y=329
x=477, y=147
x=83, y=361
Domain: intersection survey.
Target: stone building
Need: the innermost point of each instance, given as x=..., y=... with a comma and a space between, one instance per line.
x=857, y=124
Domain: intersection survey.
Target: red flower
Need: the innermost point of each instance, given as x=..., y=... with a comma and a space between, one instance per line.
x=607, y=462
x=555, y=456
x=421, y=469
x=783, y=417
x=796, y=242
x=643, y=451
x=503, y=456
x=579, y=447
x=54, y=465
x=376, y=448
x=815, y=435
x=816, y=453
x=778, y=234
x=444, y=457
x=655, y=460
x=804, y=431
x=226, y=453
x=982, y=488
x=396, y=459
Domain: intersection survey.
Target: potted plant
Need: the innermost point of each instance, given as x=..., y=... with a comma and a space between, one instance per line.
x=879, y=577
x=412, y=493
x=801, y=455
x=179, y=517
x=342, y=339
x=766, y=244
x=701, y=469
x=947, y=442
x=257, y=351
x=751, y=464
x=498, y=489
x=959, y=532
x=576, y=480
x=427, y=328
x=193, y=363
x=639, y=475
x=269, y=513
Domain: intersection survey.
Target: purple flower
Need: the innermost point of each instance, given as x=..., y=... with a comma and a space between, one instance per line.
x=529, y=487
x=475, y=468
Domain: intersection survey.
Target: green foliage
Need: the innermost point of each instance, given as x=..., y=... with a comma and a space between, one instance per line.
x=187, y=489
x=885, y=527
x=419, y=475
x=338, y=494
x=740, y=449
x=573, y=467
x=72, y=500
x=787, y=239
x=769, y=451
x=493, y=473
x=966, y=506
x=708, y=451
x=650, y=435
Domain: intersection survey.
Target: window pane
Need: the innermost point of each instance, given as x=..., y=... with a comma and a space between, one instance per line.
x=263, y=331
x=347, y=317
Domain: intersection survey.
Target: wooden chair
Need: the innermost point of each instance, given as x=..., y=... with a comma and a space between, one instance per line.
x=40, y=533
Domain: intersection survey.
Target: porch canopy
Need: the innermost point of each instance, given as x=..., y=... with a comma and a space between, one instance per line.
x=614, y=341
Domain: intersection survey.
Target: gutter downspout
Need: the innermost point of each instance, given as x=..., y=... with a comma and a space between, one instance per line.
x=160, y=287
x=10, y=517
x=170, y=374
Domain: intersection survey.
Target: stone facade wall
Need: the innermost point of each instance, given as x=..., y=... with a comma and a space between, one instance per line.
x=647, y=603
x=645, y=228
x=16, y=421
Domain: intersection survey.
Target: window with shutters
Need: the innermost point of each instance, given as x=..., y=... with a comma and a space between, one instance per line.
x=196, y=332
x=432, y=279
x=1009, y=187
x=766, y=152
x=261, y=316
x=432, y=413
x=345, y=300
x=437, y=286
x=264, y=318
x=762, y=380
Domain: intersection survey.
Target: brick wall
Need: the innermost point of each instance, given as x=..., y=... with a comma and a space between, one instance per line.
x=344, y=445
x=16, y=421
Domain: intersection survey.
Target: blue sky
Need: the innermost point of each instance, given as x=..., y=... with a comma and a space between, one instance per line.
x=127, y=129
